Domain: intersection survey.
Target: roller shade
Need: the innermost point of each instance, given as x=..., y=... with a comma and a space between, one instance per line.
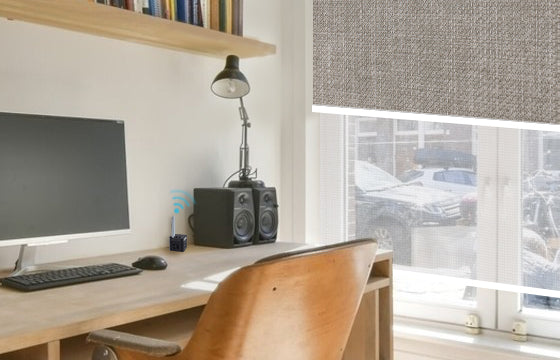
x=496, y=59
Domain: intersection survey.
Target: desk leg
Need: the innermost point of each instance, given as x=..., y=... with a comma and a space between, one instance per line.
x=385, y=268
x=49, y=351
x=363, y=343
x=53, y=350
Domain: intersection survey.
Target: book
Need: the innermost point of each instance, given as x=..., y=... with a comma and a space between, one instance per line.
x=205, y=11
x=181, y=6
x=222, y=12
x=155, y=8
x=172, y=10
x=117, y=3
x=165, y=9
x=197, y=13
x=215, y=14
x=146, y=7
x=137, y=5
x=237, y=17
x=229, y=9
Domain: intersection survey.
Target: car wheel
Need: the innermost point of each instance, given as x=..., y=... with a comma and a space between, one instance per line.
x=393, y=236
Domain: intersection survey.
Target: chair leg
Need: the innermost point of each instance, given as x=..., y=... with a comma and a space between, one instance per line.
x=102, y=352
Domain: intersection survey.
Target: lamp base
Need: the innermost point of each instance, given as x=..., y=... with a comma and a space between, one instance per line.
x=246, y=183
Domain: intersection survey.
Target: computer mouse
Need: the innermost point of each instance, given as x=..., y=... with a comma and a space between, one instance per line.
x=150, y=262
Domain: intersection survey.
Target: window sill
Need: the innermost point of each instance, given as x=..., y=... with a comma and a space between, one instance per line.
x=416, y=339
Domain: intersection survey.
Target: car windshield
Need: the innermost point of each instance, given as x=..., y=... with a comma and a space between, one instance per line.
x=371, y=178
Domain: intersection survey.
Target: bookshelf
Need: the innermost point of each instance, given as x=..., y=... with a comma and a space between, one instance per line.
x=107, y=21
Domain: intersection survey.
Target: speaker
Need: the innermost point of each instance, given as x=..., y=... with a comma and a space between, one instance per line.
x=223, y=217
x=266, y=215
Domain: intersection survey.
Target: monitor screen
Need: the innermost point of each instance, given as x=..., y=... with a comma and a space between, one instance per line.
x=61, y=176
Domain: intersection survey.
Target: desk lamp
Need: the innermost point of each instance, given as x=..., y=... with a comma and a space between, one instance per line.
x=230, y=83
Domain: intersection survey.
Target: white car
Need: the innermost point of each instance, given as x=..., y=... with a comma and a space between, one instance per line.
x=459, y=181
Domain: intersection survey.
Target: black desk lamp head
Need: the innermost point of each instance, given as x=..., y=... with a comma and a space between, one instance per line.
x=230, y=83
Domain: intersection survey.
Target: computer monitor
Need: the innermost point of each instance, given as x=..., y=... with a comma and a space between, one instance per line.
x=61, y=178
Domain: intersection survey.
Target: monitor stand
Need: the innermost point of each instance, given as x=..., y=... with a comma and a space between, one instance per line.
x=26, y=261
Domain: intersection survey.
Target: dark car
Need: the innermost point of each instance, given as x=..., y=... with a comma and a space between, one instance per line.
x=387, y=209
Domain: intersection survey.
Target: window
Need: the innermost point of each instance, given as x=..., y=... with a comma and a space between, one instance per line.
x=455, y=239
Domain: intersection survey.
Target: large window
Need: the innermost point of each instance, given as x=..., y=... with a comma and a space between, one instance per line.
x=472, y=214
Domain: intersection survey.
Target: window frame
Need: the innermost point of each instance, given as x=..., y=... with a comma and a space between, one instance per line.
x=499, y=201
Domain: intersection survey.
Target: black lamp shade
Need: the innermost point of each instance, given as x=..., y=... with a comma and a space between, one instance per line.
x=230, y=83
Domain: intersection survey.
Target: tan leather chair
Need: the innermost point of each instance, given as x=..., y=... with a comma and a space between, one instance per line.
x=296, y=305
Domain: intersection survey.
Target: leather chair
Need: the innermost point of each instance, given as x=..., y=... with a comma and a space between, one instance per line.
x=295, y=305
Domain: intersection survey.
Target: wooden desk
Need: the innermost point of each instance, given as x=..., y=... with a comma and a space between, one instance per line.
x=52, y=324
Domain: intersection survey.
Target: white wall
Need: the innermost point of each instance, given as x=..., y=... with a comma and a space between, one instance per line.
x=179, y=135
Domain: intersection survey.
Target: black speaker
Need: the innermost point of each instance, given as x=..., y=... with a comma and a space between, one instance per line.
x=266, y=215
x=223, y=217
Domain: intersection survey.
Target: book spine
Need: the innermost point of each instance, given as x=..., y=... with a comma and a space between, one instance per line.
x=181, y=10
x=157, y=8
x=205, y=10
x=223, y=15
x=146, y=7
x=117, y=3
x=229, y=23
x=172, y=10
x=197, y=16
x=215, y=14
x=237, y=17
x=137, y=5
x=189, y=10
x=165, y=9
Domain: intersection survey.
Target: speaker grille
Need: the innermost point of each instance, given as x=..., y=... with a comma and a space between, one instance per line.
x=268, y=224
x=243, y=226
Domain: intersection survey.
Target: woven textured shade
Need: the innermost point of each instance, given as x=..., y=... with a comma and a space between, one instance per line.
x=496, y=59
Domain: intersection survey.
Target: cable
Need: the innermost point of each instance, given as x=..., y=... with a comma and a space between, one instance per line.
x=229, y=177
x=189, y=221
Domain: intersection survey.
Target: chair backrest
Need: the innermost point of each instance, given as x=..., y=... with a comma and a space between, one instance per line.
x=299, y=305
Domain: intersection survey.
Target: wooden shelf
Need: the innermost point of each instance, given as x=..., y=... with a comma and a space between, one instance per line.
x=376, y=283
x=107, y=21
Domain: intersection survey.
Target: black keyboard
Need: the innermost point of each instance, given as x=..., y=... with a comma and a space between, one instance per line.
x=74, y=275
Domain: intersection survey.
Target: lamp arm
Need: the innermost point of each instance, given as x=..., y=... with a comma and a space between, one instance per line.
x=244, y=167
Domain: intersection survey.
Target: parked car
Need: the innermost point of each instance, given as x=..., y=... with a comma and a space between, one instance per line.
x=387, y=209
x=459, y=181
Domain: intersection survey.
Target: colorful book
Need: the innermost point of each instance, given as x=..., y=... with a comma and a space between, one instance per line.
x=172, y=10
x=205, y=11
x=118, y=3
x=181, y=10
x=155, y=8
x=223, y=14
x=146, y=7
x=137, y=5
x=215, y=14
x=229, y=11
x=237, y=17
x=197, y=13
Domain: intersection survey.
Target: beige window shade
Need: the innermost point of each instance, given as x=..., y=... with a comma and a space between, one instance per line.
x=496, y=59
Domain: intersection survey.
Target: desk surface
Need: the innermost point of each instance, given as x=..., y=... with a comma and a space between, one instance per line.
x=39, y=317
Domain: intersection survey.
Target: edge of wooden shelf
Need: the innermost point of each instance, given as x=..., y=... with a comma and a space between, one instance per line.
x=376, y=283
x=108, y=21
